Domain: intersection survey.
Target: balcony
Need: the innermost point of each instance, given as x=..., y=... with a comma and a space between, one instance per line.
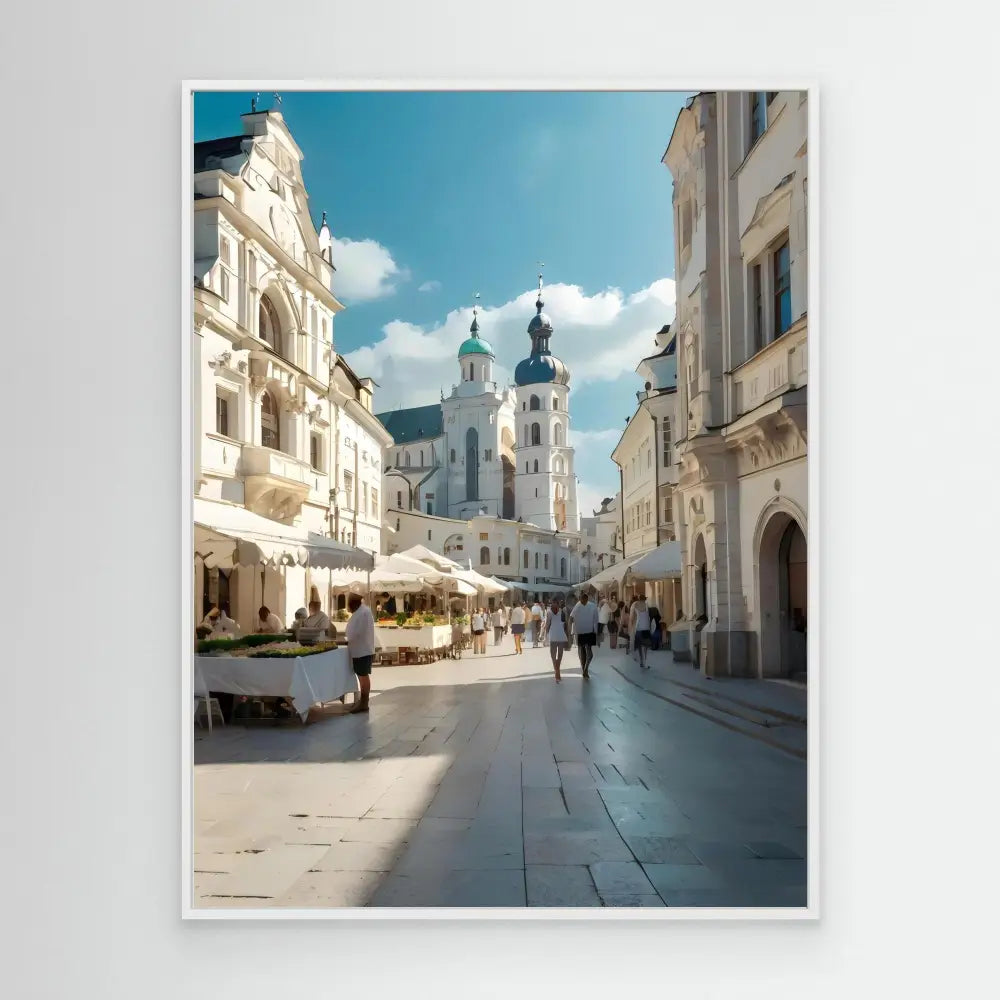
x=779, y=368
x=276, y=483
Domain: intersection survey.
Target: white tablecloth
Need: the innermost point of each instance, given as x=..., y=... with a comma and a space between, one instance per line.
x=303, y=680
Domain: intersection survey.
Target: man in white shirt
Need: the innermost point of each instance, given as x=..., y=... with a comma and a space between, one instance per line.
x=360, y=634
x=603, y=617
x=319, y=619
x=498, y=626
x=536, y=624
x=584, y=619
x=268, y=622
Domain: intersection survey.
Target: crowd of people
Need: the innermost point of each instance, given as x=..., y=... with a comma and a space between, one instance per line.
x=638, y=627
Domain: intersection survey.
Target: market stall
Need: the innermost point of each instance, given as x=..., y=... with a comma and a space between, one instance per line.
x=304, y=680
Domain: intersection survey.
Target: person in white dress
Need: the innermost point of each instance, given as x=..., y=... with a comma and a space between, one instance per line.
x=536, y=624
x=639, y=626
x=478, y=624
x=517, y=616
x=603, y=617
x=555, y=629
x=499, y=623
x=584, y=619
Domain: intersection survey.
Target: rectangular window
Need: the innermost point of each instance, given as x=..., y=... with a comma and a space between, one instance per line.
x=666, y=442
x=757, y=300
x=649, y=458
x=546, y=562
x=349, y=490
x=484, y=536
x=429, y=511
x=315, y=451
x=649, y=514
x=489, y=455
x=375, y=507
x=758, y=115
x=668, y=510
x=428, y=532
x=399, y=499
x=222, y=414
x=363, y=506
x=224, y=251
x=782, y=290
x=224, y=284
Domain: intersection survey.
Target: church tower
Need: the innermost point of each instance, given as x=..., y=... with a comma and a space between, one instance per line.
x=478, y=424
x=545, y=484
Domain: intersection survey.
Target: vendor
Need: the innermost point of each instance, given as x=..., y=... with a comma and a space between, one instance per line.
x=268, y=622
x=390, y=605
x=319, y=619
x=221, y=624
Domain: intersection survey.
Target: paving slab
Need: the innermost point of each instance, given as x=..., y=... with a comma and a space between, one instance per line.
x=631, y=899
x=620, y=877
x=560, y=885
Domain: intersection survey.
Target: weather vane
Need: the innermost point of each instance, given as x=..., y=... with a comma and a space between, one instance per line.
x=253, y=103
x=277, y=98
x=475, y=308
x=540, y=264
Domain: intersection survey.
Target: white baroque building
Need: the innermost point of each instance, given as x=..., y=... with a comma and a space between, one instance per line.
x=279, y=420
x=739, y=165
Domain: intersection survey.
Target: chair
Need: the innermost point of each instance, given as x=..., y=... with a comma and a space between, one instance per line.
x=214, y=708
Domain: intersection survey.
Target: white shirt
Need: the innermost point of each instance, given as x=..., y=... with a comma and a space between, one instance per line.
x=224, y=625
x=477, y=622
x=554, y=627
x=536, y=610
x=640, y=614
x=272, y=625
x=360, y=633
x=498, y=619
x=584, y=617
x=517, y=616
x=604, y=614
x=318, y=620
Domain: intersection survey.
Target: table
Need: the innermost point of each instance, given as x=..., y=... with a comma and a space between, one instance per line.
x=303, y=681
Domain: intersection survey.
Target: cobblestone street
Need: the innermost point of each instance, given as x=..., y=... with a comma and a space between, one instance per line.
x=481, y=782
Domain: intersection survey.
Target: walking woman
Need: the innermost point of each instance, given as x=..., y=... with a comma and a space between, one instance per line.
x=517, y=626
x=622, y=618
x=555, y=629
x=478, y=631
x=639, y=626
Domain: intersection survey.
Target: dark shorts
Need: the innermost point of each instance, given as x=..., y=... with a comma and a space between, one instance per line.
x=362, y=665
x=517, y=629
x=643, y=637
x=479, y=631
x=587, y=639
x=600, y=628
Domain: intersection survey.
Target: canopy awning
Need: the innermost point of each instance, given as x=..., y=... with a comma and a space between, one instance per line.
x=425, y=555
x=227, y=535
x=663, y=563
x=612, y=575
x=400, y=562
x=480, y=582
x=379, y=580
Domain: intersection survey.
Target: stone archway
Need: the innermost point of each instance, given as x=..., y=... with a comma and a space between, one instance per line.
x=781, y=563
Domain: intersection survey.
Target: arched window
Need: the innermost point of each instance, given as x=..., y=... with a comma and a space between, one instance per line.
x=546, y=560
x=562, y=569
x=559, y=434
x=406, y=459
x=506, y=557
x=536, y=560
x=536, y=434
x=526, y=467
x=453, y=456
x=472, y=464
x=559, y=466
x=536, y=465
x=270, y=433
x=534, y=403
x=268, y=325
x=499, y=556
x=527, y=435
x=421, y=458
x=525, y=558
x=471, y=375
x=484, y=556
x=555, y=402
x=524, y=406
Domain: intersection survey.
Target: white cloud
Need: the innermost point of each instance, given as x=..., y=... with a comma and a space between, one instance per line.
x=430, y=286
x=365, y=270
x=598, y=336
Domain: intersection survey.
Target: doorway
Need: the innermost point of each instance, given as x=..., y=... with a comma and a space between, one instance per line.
x=783, y=598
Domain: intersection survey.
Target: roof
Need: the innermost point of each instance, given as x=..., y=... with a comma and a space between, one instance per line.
x=414, y=424
x=475, y=345
x=540, y=368
x=231, y=145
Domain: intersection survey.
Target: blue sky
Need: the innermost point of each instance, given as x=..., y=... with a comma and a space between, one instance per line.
x=435, y=196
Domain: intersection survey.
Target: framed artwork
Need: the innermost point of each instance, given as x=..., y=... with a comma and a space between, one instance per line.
x=500, y=586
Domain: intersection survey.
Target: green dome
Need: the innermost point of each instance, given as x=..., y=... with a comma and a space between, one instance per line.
x=475, y=346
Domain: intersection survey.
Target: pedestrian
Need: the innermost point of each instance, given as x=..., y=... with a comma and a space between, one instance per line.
x=568, y=608
x=621, y=619
x=555, y=629
x=517, y=617
x=654, y=626
x=478, y=631
x=360, y=632
x=584, y=618
x=498, y=626
x=639, y=626
x=603, y=620
x=536, y=624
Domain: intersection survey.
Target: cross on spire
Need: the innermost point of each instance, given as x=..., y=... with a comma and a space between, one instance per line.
x=539, y=303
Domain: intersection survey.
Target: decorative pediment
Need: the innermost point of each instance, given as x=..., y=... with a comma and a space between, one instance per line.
x=771, y=216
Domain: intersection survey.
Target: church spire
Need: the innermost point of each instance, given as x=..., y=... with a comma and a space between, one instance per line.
x=474, y=329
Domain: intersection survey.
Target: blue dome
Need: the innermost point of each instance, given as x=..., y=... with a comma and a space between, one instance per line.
x=539, y=322
x=474, y=345
x=541, y=368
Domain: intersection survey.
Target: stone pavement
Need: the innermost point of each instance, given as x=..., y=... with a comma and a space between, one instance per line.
x=481, y=782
